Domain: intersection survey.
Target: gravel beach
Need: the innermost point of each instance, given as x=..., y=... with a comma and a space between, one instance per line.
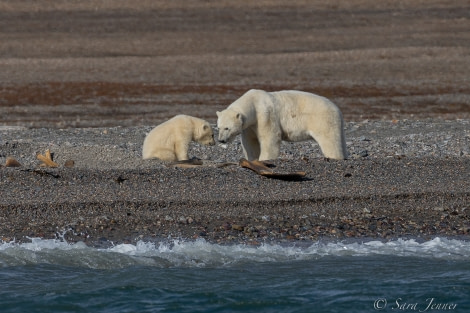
x=403, y=179
x=87, y=81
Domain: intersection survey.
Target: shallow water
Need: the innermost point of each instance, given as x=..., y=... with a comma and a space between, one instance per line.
x=197, y=276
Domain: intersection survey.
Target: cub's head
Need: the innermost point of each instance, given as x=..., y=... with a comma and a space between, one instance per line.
x=204, y=135
x=230, y=124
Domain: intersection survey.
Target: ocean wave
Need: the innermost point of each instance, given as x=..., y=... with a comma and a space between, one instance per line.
x=200, y=253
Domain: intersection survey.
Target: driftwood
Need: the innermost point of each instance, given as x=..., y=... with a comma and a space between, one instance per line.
x=47, y=159
x=187, y=163
x=194, y=162
x=12, y=162
x=263, y=170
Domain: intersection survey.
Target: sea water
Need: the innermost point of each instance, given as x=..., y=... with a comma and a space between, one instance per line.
x=198, y=276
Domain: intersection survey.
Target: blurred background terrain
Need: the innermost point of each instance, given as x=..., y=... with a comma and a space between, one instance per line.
x=130, y=63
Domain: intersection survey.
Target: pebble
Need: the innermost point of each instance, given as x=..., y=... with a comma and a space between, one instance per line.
x=237, y=227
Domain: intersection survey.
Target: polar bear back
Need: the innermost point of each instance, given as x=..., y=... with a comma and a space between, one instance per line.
x=301, y=113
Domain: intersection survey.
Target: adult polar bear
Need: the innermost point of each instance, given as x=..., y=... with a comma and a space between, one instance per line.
x=265, y=118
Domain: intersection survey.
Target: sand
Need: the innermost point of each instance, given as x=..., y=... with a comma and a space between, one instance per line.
x=88, y=81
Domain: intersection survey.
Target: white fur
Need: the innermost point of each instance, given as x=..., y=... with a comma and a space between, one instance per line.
x=265, y=118
x=170, y=140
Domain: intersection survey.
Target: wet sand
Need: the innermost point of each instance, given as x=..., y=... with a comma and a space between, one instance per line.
x=88, y=81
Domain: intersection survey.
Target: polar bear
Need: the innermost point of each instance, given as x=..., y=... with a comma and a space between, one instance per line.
x=265, y=118
x=170, y=140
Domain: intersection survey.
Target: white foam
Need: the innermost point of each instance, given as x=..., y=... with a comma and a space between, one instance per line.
x=201, y=253
x=435, y=248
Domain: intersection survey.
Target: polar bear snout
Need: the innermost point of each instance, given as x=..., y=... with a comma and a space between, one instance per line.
x=224, y=135
x=222, y=138
x=211, y=142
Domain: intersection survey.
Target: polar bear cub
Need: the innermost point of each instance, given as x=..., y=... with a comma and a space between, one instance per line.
x=265, y=118
x=170, y=140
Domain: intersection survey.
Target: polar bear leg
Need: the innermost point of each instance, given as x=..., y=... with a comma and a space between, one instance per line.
x=333, y=146
x=162, y=154
x=167, y=155
x=250, y=144
x=181, y=151
x=270, y=146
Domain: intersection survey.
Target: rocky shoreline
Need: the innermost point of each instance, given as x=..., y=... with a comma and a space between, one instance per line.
x=411, y=181
x=88, y=80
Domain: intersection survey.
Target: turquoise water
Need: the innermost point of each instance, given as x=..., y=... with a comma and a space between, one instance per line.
x=197, y=276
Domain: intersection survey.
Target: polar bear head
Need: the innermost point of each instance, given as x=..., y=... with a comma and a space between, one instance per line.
x=203, y=133
x=230, y=124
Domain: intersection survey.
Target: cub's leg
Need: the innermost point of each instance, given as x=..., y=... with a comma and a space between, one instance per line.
x=163, y=154
x=181, y=151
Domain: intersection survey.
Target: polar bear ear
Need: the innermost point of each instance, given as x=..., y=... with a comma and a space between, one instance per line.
x=218, y=113
x=241, y=118
x=205, y=127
